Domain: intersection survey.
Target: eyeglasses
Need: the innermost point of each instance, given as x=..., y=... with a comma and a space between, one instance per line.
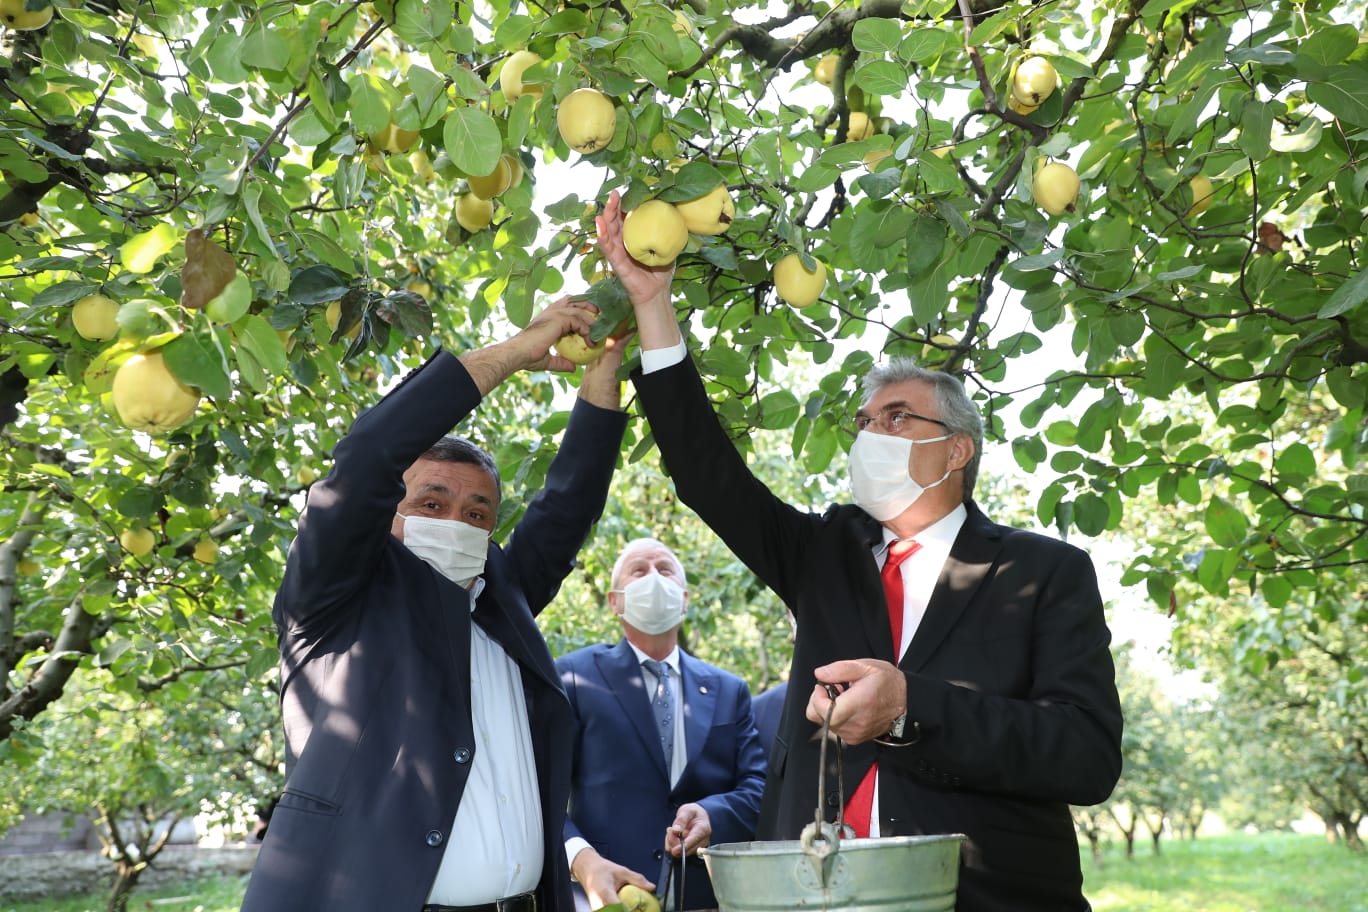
x=893, y=421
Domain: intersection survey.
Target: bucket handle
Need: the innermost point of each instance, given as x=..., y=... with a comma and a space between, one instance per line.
x=833, y=691
x=820, y=843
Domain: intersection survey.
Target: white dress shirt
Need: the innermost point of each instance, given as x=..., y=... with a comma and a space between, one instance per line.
x=495, y=849
x=919, y=575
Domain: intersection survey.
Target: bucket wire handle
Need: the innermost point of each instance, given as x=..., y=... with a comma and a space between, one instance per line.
x=819, y=840
x=668, y=873
x=833, y=692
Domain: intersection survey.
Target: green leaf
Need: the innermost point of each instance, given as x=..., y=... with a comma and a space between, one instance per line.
x=140, y=502
x=1091, y=513
x=1306, y=137
x=1348, y=296
x=1256, y=125
x=876, y=36
x=141, y=252
x=881, y=77
x=778, y=410
x=261, y=341
x=1225, y=524
x=263, y=49
x=924, y=43
x=1344, y=93
x=317, y=285
x=196, y=360
x=1329, y=46
x=472, y=140
x=232, y=303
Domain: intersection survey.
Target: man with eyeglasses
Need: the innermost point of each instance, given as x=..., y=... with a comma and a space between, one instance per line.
x=975, y=689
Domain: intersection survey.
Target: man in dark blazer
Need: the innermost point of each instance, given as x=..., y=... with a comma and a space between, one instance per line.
x=997, y=707
x=631, y=805
x=425, y=725
x=768, y=708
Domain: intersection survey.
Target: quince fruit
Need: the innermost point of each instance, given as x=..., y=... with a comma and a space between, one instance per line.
x=15, y=14
x=576, y=349
x=95, y=318
x=586, y=119
x=797, y=285
x=654, y=233
x=710, y=214
x=473, y=213
x=1055, y=188
x=148, y=397
x=511, y=76
x=490, y=185
x=635, y=899
x=1034, y=81
x=137, y=541
x=1201, y=195
x=825, y=70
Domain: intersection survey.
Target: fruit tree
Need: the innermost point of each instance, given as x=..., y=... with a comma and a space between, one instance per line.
x=1176, y=311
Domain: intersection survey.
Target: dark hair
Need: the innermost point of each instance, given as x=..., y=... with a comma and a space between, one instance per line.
x=452, y=448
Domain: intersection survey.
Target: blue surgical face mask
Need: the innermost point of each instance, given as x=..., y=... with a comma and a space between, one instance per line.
x=455, y=549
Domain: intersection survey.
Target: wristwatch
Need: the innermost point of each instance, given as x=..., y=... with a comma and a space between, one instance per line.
x=895, y=731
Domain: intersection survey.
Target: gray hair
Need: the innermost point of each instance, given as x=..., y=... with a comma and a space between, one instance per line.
x=452, y=448
x=957, y=410
x=622, y=557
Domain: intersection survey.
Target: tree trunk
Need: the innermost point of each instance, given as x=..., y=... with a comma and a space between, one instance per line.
x=125, y=880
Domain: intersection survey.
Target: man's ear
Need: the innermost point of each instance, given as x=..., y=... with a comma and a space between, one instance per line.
x=961, y=451
x=615, y=604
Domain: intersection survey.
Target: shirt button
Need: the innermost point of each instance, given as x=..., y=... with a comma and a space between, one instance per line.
x=434, y=838
x=462, y=755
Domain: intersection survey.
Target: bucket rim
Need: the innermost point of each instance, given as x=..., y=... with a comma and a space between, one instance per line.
x=775, y=846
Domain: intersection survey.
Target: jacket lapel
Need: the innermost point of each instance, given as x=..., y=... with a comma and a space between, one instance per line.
x=503, y=616
x=626, y=682
x=699, y=696
x=965, y=571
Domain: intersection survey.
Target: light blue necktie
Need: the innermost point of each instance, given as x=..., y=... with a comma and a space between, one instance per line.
x=662, y=704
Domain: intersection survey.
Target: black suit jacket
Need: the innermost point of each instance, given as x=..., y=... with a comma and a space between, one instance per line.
x=1009, y=675
x=375, y=661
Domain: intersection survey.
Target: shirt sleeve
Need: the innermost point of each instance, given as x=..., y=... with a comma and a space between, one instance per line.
x=660, y=358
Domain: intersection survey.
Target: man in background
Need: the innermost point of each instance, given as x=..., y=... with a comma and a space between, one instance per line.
x=666, y=756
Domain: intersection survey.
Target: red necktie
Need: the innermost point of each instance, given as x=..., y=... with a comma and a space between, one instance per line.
x=861, y=804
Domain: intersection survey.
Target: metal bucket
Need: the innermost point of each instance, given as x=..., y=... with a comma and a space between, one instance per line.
x=820, y=871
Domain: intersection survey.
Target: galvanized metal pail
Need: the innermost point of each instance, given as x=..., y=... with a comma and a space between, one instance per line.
x=820, y=871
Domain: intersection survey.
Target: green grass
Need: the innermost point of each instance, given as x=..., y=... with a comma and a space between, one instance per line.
x=1238, y=873
x=215, y=894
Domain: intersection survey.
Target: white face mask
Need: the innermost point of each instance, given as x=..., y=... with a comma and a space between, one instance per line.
x=879, y=478
x=653, y=604
x=455, y=549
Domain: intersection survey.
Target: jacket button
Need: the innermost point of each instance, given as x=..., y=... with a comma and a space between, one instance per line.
x=659, y=854
x=833, y=799
x=434, y=838
x=462, y=755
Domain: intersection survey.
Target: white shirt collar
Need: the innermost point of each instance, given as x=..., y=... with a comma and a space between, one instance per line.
x=939, y=536
x=672, y=659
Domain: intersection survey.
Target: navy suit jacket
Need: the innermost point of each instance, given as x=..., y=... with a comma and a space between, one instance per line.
x=1009, y=676
x=768, y=708
x=620, y=798
x=375, y=661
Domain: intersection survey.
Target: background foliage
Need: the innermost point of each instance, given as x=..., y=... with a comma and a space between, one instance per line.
x=1203, y=384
